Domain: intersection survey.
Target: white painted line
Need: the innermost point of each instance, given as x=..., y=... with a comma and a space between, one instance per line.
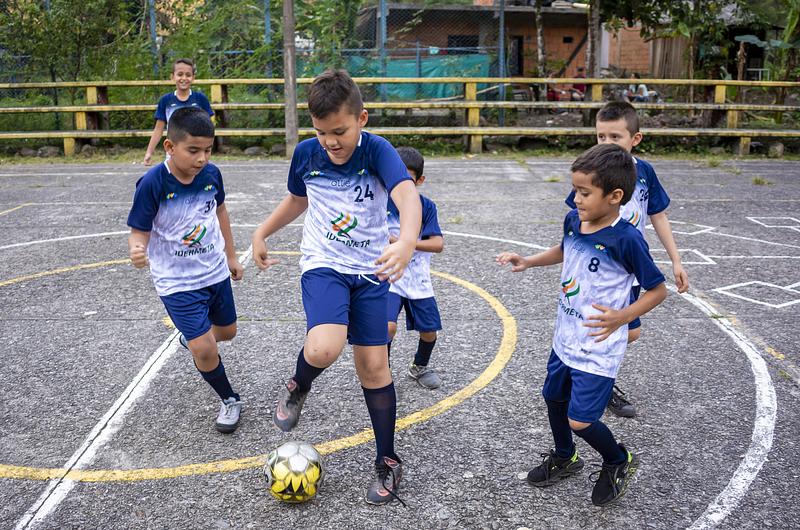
x=754, y=257
x=754, y=239
x=703, y=228
x=58, y=488
x=703, y=259
x=726, y=291
x=511, y=241
x=794, y=285
x=763, y=429
x=792, y=225
x=66, y=238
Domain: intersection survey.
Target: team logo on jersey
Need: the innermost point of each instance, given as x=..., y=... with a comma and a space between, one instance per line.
x=643, y=181
x=601, y=248
x=208, y=187
x=635, y=218
x=170, y=196
x=315, y=173
x=343, y=224
x=570, y=288
x=193, y=237
x=362, y=171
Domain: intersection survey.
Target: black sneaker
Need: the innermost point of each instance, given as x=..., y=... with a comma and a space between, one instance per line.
x=287, y=412
x=387, y=483
x=619, y=405
x=613, y=480
x=554, y=468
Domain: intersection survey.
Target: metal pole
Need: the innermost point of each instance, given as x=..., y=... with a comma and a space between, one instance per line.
x=153, y=42
x=382, y=45
x=268, y=35
x=501, y=57
x=419, y=68
x=289, y=78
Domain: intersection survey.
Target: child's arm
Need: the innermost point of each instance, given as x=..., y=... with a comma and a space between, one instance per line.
x=287, y=211
x=158, y=132
x=396, y=256
x=611, y=319
x=237, y=271
x=137, y=248
x=551, y=256
x=661, y=225
x=433, y=244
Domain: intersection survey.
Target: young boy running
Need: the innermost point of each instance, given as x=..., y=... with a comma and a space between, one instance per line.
x=344, y=178
x=602, y=255
x=180, y=227
x=414, y=292
x=183, y=72
x=618, y=123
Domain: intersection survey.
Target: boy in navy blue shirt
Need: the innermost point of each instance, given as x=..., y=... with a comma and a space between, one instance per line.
x=181, y=229
x=344, y=178
x=414, y=292
x=183, y=73
x=602, y=254
x=618, y=123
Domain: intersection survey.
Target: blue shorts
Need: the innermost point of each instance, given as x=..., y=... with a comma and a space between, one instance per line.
x=635, y=291
x=421, y=315
x=588, y=394
x=194, y=312
x=357, y=301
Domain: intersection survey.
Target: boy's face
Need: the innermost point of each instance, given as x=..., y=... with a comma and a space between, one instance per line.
x=418, y=180
x=616, y=132
x=188, y=156
x=339, y=133
x=590, y=201
x=183, y=76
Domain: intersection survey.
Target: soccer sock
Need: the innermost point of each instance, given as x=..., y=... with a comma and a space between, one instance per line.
x=424, y=350
x=599, y=436
x=219, y=381
x=559, y=425
x=382, y=406
x=304, y=373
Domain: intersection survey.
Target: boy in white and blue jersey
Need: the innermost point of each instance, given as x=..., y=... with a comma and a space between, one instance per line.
x=618, y=123
x=414, y=291
x=344, y=178
x=602, y=255
x=183, y=72
x=180, y=227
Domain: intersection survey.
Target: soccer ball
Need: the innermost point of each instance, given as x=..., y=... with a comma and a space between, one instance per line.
x=294, y=472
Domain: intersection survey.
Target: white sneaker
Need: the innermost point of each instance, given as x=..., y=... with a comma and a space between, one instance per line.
x=228, y=417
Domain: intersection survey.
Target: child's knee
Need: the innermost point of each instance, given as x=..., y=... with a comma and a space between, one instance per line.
x=577, y=425
x=427, y=336
x=633, y=334
x=392, y=330
x=223, y=333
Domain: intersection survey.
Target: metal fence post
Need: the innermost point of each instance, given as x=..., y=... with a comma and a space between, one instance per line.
x=475, y=141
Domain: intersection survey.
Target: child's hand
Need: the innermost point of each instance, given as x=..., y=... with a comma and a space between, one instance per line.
x=392, y=238
x=260, y=258
x=395, y=258
x=681, y=278
x=608, y=321
x=237, y=271
x=517, y=262
x=138, y=255
x=147, y=159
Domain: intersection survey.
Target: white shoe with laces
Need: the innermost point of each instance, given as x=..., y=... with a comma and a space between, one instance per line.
x=228, y=417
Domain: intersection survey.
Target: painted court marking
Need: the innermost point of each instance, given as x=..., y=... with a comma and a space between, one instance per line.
x=790, y=289
x=793, y=225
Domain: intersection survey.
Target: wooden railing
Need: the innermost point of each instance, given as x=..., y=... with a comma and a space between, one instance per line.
x=88, y=122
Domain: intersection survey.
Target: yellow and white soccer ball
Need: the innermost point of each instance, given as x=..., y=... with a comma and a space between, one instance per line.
x=294, y=472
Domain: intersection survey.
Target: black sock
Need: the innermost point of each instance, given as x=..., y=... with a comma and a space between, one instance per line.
x=382, y=406
x=424, y=350
x=559, y=425
x=219, y=381
x=602, y=440
x=304, y=373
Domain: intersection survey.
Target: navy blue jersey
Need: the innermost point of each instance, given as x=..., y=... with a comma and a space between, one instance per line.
x=169, y=103
x=416, y=281
x=599, y=268
x=345, y=227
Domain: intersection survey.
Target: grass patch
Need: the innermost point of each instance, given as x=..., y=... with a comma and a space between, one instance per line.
x=553, y=178
x=456, y=220
x=760, y=181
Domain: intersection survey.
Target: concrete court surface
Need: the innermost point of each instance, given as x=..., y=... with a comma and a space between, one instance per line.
x=104, y=423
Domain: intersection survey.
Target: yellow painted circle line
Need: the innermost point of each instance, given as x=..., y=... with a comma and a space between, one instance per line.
x=508, y=344
x=29, y=277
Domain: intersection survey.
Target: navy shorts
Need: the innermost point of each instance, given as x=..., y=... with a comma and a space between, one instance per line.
x=635, y=291
x=193, y=312
x=421, y=314
x=357, y=301
x=588, y=394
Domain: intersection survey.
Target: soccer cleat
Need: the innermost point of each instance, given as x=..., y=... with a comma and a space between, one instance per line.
x=425, y=376
x=554, y=469
x=182, y=340
x=619, y=405
x=387, y=483
x=228, y=417
x=612, y=480
x=287, y=412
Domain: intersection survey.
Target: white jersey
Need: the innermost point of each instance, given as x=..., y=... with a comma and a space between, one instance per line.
x=186, y=248
x=345, y=228
x=416, y=281
x=599, y=268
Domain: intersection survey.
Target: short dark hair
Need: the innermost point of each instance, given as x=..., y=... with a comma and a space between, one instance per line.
x=330, y=91
x=189, y=121
x=184, y=61
x=611, y=168
x=620, y=110
x=412, y=159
